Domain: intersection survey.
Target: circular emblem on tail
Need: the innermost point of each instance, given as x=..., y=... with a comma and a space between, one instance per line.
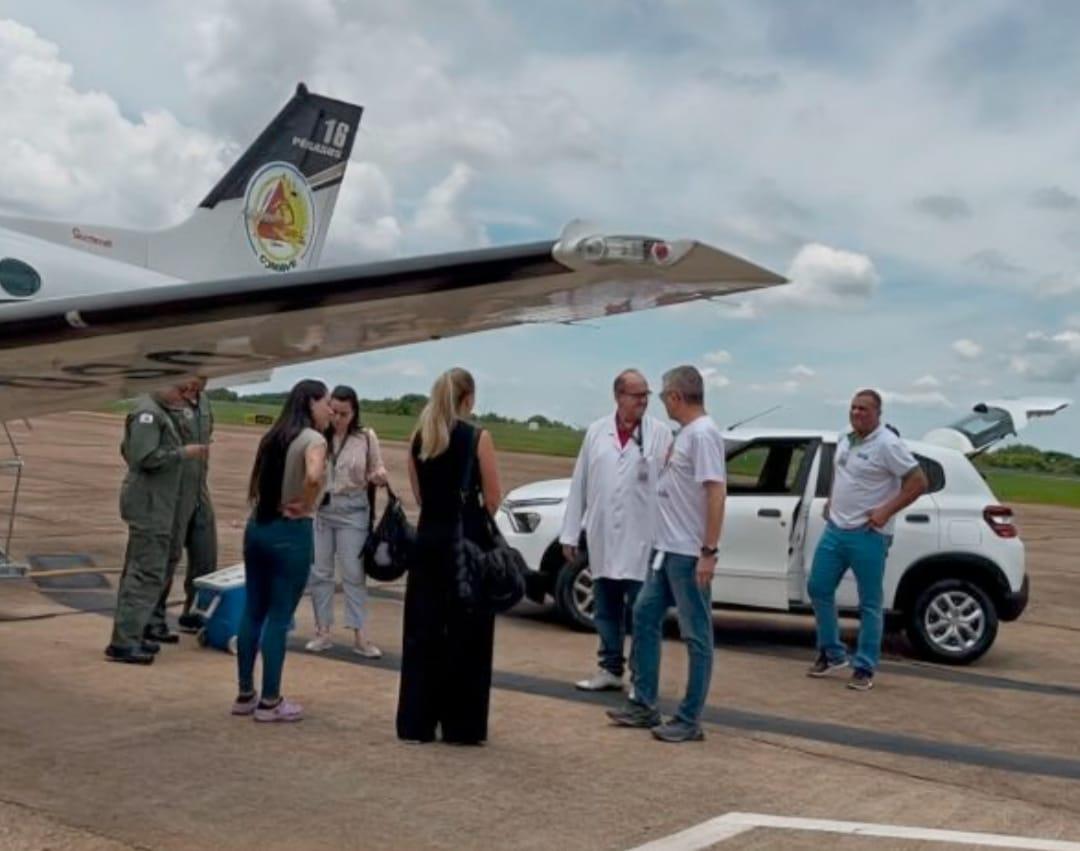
x=279, y=214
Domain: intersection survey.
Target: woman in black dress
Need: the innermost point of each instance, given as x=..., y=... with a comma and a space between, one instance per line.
x=446, y=650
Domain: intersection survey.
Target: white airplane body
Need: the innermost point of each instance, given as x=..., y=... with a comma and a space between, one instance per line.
x=90, y=313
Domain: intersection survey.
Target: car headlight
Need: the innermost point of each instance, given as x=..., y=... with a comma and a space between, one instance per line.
x=521, y=519
x=524, y=522
x=538, y=502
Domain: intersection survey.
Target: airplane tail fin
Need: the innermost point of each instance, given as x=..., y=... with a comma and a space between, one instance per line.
x=271, y=210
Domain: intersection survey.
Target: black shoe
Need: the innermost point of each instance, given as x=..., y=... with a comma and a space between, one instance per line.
x=822, y=667
x=633, y=714
x=191, y=623
x=861, y=680
x=678, y=731
x=161, y=634
x=130, y=655
x=151, y=647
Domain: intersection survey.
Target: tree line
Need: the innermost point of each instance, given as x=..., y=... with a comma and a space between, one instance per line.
x=408, y=405
x=1021, y=456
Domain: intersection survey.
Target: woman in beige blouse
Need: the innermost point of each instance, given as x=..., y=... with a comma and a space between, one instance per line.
x=341, y=523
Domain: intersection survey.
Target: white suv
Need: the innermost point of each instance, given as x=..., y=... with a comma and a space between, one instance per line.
x=955, y=568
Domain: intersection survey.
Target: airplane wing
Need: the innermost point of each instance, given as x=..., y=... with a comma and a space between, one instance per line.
x=66, y=353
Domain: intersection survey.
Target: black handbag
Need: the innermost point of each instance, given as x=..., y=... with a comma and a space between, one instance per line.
x=389, y=546
x=490, y=574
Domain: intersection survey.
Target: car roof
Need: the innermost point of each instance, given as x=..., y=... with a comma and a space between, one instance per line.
x=745, y=435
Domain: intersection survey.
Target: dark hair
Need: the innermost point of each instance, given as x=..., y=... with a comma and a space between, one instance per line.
x=344, y=393
x=264, y=488
x=870, y=394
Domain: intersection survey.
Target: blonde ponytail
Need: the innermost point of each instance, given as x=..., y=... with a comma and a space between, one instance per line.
x=442, y=410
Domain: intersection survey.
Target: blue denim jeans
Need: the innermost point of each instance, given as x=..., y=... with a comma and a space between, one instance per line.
x=277, y=559
x=673, y=585
x=864, y=551
x=613, y=614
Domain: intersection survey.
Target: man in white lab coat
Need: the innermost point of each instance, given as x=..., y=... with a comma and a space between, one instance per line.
x=613, y=497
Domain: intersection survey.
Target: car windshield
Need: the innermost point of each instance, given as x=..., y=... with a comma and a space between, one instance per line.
x=985, y=427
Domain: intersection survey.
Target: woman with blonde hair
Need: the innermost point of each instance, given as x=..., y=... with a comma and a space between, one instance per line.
x=446, y=648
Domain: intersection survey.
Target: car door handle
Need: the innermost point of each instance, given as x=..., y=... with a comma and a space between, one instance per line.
x=918, y=518
x=768, y=512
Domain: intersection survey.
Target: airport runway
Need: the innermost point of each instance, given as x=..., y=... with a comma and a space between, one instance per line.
x=106, y=757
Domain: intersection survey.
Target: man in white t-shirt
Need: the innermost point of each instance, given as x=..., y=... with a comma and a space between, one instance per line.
x=874, y=477
x=691, y=495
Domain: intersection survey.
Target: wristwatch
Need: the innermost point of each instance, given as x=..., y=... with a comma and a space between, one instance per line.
x=709, y=552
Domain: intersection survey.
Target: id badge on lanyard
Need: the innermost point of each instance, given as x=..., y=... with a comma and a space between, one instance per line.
x=643, y=462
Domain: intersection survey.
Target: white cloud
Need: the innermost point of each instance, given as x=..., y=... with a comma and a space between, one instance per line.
x=65, y=151
x=926, y=381
x=713, y=378
x=443, y=220
x=718, y=357
x=824, y=277
x=1049, y=357
x=1058, y=284
x=730, y=309
x=802, y=371
x=967, y=349
x=922, y=400
x=407, y=368
x=786, y=387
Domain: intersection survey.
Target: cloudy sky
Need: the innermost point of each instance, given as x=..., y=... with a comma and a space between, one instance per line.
x=912, y=166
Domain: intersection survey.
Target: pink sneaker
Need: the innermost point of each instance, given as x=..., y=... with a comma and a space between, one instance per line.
x=285, y=710
x=245, y=706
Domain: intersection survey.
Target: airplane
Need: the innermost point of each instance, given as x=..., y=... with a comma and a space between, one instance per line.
x=91, y=313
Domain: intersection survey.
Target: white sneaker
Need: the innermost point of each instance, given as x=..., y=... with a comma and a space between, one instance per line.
x=367, y=650
x=602, y=680
x=319, y=643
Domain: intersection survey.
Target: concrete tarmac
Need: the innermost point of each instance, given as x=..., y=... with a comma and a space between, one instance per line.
x=105, y=756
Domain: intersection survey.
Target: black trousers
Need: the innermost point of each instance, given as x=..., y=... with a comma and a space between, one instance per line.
x=446, y=656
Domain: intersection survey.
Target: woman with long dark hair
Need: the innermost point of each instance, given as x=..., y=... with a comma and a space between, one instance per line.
x=342, y=521
x=286, y=486
x=447, y=649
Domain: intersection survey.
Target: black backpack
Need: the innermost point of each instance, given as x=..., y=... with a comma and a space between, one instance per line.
x=389, y=546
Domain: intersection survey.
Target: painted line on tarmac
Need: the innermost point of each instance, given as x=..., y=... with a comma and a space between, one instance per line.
x=763, y=646
x=726, y=826
x=898, y=744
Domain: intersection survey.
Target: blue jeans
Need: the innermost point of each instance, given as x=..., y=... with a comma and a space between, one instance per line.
x=673, y=585
x=277, y=558
x=614, y=599
x=864, y=551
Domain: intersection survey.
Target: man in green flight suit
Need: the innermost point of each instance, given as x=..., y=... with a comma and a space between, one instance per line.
x=149, y=497
x=195, y=529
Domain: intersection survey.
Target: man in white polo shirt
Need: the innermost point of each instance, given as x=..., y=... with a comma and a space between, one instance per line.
x=874, y=477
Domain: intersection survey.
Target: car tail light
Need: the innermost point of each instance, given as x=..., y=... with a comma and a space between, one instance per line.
x=1000, y=519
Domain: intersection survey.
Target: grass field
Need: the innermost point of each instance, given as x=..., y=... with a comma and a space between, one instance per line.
x=508, y=437
x=1010, y=486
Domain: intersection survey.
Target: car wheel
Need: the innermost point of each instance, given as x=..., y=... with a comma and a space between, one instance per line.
x=574, y=594
x=953, y=621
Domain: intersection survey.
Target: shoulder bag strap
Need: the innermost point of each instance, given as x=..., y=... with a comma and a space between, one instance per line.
x=470, y=463
x=371, y=489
